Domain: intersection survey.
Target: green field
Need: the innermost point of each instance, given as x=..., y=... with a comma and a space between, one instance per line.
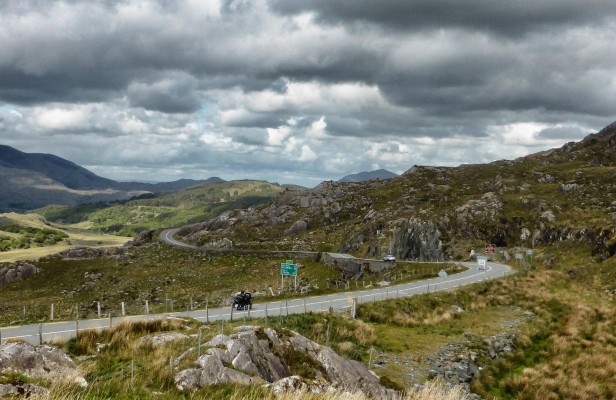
x=60, y=237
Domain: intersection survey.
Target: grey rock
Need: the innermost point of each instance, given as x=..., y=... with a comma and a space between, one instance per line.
x=17, y=272
x=141, y=239
x=476, y=212
x=256, y=359
x=547, y=178
x=492, y=353
x=162, y=339
x=39, y=362
x=298, y=384
x=20, y=389
x=300, y=226
x=473, y=369
x=222, y=354
x=221, y=244
x=218, y=340
x=244, y=363
x=416, y=239
x=212, y=371
x=568, y=187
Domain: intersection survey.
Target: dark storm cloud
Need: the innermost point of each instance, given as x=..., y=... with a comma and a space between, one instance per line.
x=508, y=17
x=104, y=52
x=22, y=88
x=268, y=85
x=172, y=94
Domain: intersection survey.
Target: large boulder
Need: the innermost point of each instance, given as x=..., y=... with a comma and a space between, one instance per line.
x=300, y=226
x=39, y=362
x=342, y=373
x=141, y=239
x=260, y=356
x=14, y=273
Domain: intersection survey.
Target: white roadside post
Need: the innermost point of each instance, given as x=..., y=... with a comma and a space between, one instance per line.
x=519, y=257
x=442, y=274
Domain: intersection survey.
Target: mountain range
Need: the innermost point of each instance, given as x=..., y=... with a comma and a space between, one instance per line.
x=33, y=180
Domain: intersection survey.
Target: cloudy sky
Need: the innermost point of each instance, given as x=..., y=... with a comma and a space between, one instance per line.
x=300, y=91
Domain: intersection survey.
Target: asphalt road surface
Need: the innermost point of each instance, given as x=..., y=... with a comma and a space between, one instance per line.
x=167, y=235
x=339, y=302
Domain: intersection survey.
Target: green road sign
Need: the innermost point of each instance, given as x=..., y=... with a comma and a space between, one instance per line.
x=288, y=269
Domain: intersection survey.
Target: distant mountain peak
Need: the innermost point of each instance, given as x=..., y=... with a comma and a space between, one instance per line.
x=369, y=175
x=33, y=180
x=66, y=172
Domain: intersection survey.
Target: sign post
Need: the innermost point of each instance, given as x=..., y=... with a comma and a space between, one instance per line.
x=519, y=257
x=289, y=269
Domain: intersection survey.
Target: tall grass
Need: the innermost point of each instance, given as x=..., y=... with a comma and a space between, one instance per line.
x=433, y=390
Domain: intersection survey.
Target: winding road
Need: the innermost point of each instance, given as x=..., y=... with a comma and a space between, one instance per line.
x=338, y=302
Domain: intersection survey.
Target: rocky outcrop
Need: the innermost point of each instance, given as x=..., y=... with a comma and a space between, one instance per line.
x=505, y=203
x=460, y=363
x=39, y=362
x=294, y=209
x=255, y=355
x=142, y=239
x=483, y=210
x=417, y=240
x=16, y=272
x=89, y=252
x=220, y=244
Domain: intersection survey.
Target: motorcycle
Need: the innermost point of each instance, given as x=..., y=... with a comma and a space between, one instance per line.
x=243, y=301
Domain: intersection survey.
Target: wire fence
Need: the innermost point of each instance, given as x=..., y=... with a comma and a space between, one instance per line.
x=67, y=310
x=345, y=303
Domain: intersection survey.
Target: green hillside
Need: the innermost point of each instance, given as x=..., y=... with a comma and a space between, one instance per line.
x=153, y=211
x=532, y=201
